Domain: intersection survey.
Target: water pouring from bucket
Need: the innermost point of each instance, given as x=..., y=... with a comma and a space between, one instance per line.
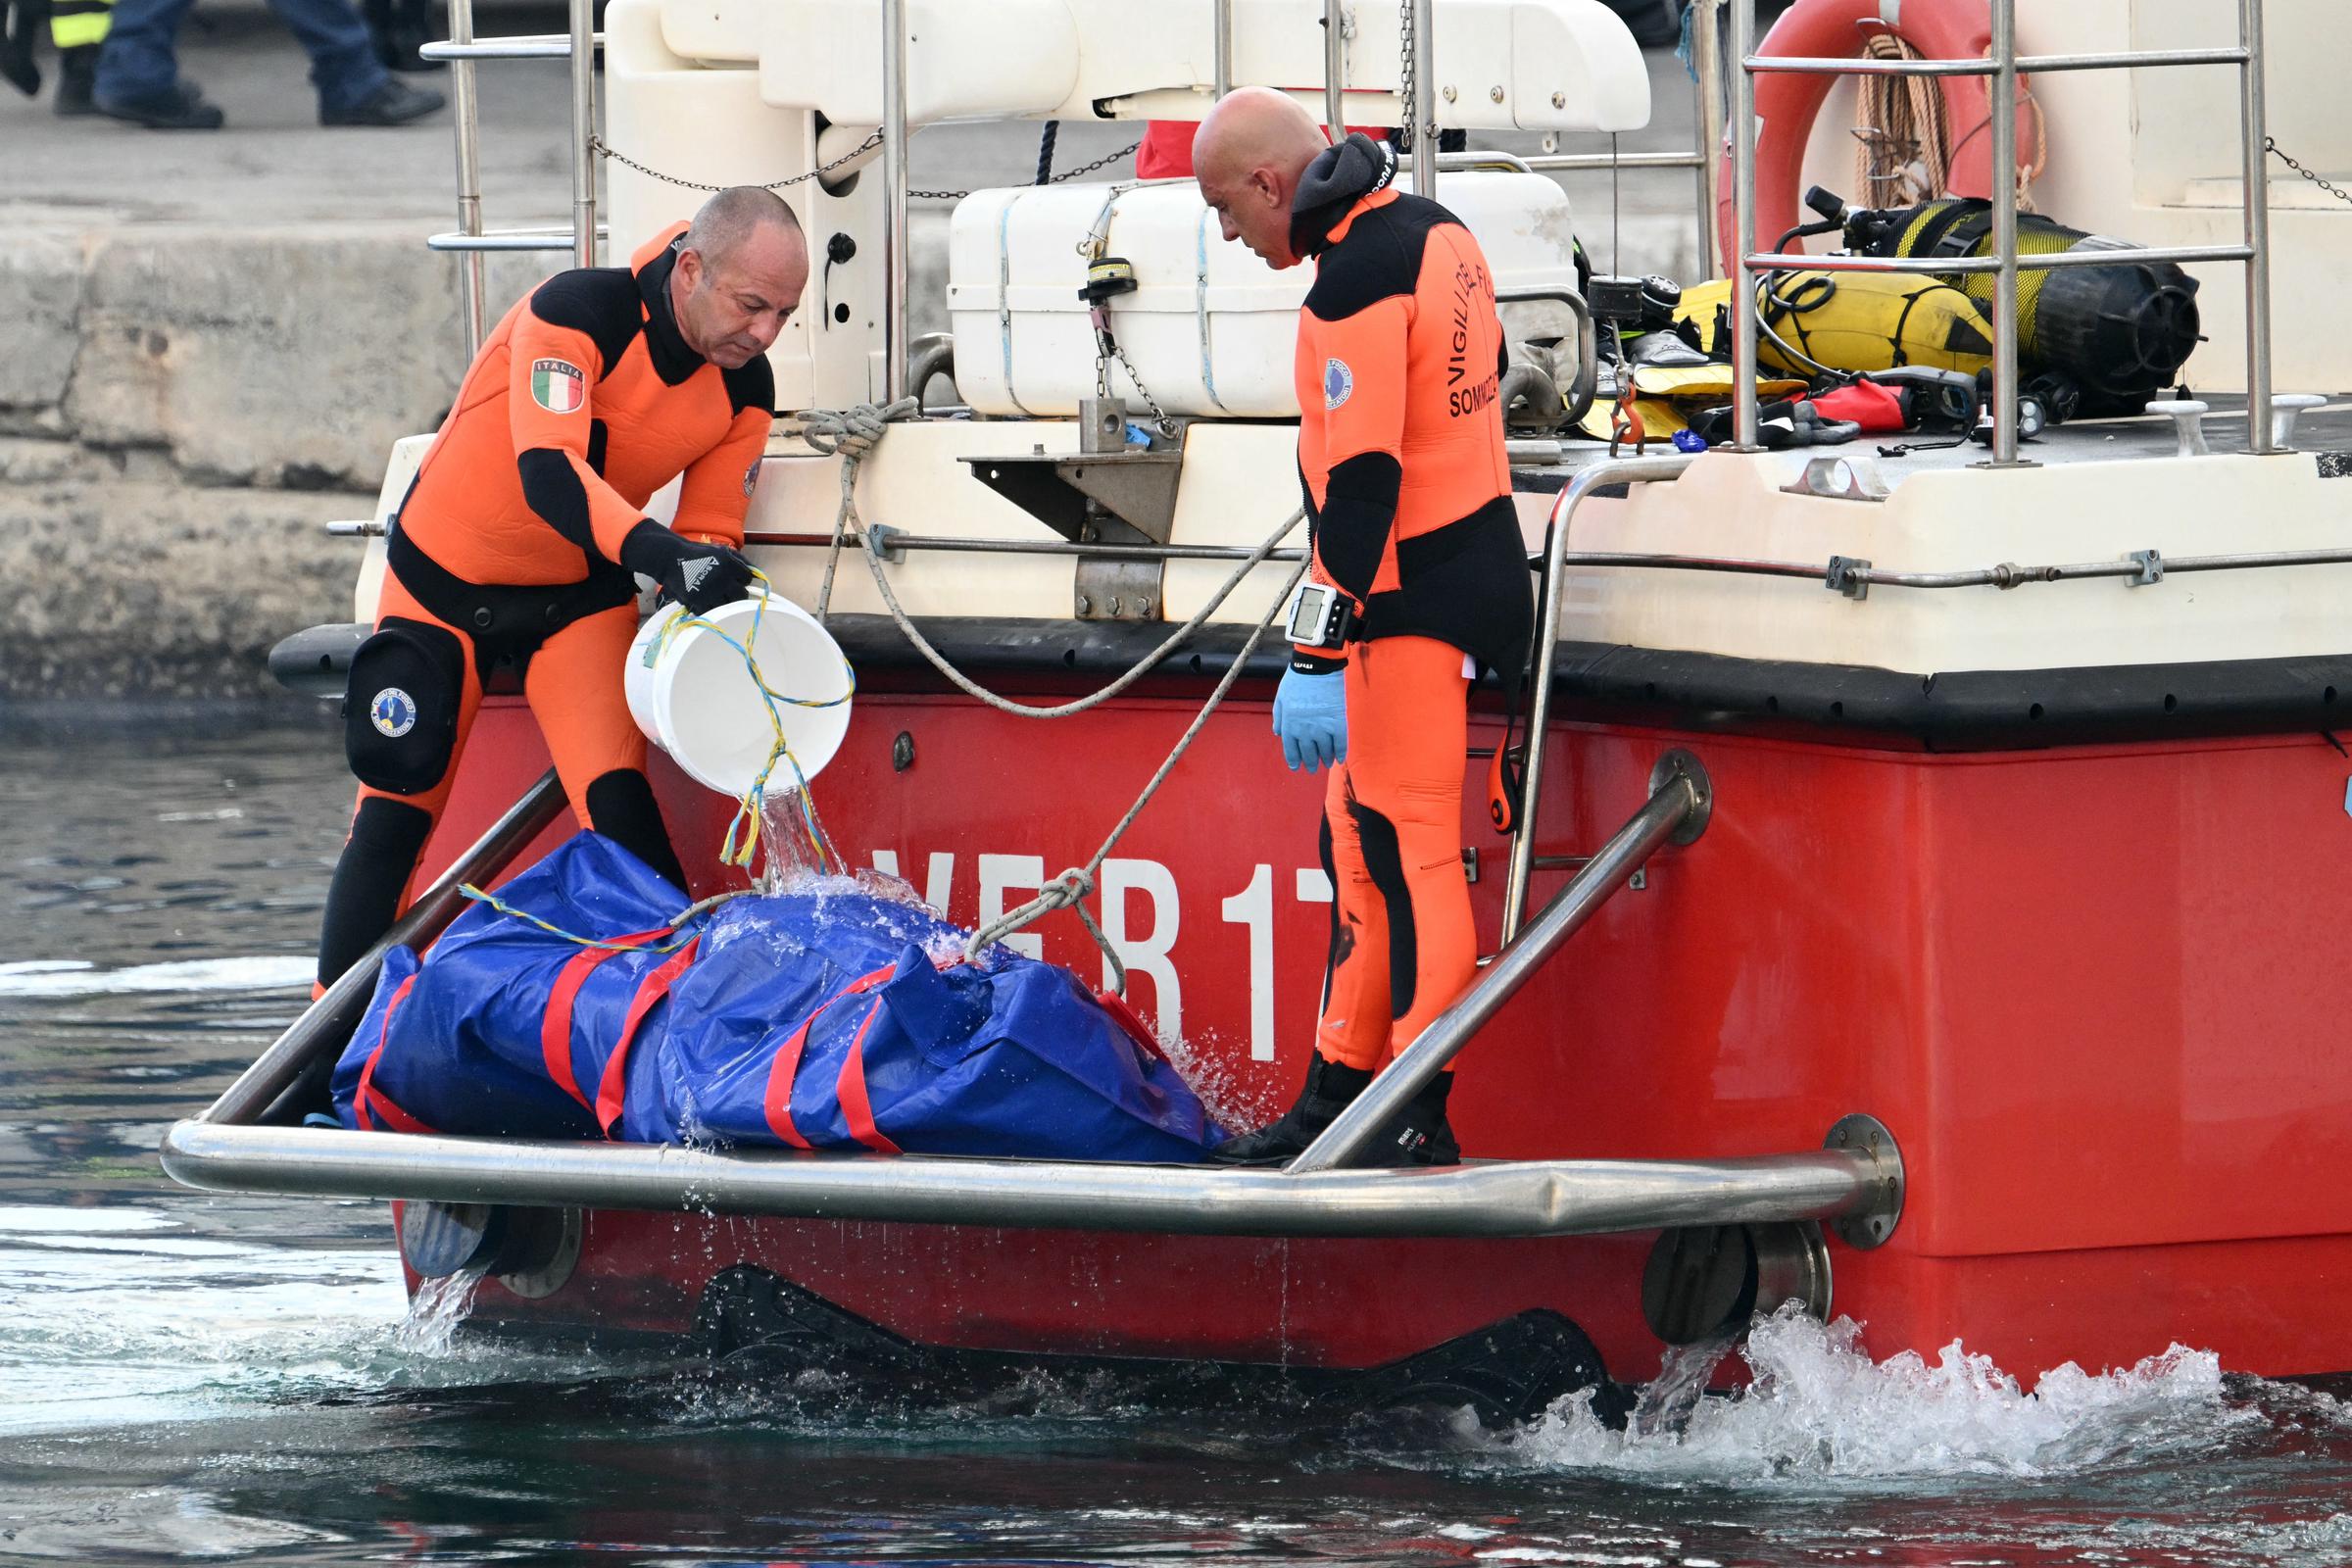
x=750, y=700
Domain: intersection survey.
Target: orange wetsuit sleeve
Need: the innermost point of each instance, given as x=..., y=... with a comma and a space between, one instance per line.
x=716, y=490
x=1364, y=371
x=551, y=396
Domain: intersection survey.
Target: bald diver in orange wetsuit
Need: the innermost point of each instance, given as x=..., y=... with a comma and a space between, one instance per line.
x=517, y=551
x=1418, y=555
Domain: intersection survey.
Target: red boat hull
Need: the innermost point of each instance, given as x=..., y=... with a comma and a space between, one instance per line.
x=2087, y=988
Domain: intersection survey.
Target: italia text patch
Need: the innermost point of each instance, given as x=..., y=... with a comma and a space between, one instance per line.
x=558, y=385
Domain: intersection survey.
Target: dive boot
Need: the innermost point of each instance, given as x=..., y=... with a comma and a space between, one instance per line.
x=1331, y=1087
x=76, y=81
x=1418, y=1135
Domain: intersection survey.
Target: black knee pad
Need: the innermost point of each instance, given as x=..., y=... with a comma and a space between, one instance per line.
x=386, y=837
x=622, y=806
x=1385, y=862
x=400, y=706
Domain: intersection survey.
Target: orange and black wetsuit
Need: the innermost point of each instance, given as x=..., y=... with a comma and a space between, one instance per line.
x=1408, y=492
x=506, y=564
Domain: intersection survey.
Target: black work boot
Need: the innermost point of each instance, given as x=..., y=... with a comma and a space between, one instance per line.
x=1418, y=1135
x=1331, y=1087
x=395, y=103
x=76, y=81
x=179, y=107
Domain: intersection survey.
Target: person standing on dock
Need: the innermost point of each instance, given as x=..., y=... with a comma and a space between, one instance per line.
x=1419, y=578
x=515, y=554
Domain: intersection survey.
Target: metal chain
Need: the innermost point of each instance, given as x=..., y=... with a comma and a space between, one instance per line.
x=596, y=144
x=1159, y=416
x=2270, y=144
x=1404, y=83
x=1105, y=162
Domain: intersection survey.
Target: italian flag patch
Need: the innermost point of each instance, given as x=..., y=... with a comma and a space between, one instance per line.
x=557, y=386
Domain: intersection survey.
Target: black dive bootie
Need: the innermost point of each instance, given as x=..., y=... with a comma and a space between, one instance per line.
x=1331, y=1087
x=1419, y=1134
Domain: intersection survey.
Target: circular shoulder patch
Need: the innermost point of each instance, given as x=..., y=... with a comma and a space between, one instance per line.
x=750, y=477
x=393, y=712
x=1338, y=382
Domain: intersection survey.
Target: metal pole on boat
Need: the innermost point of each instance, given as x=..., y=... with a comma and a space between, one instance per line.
x=2004, y=232
x=1612, y=472
x=1706, y=59
x=894, y=210
x=1424, y=107
x=1744, y=218
x=2254, y=115
x=583, y=132
x=328, y=1021
x=466, y=115
x=1677, y=809
x=1222, y=13
x=1335, y=68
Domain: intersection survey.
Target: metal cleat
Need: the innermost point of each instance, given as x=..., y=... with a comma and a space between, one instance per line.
x=2188, y=421
x=2287, y=407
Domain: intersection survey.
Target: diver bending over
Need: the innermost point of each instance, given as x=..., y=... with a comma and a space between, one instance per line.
x=516, y=553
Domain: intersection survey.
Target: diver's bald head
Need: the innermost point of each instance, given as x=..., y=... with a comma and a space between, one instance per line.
x=1249, y=155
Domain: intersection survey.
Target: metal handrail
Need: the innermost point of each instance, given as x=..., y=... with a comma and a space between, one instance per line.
x=1677, y=809
x=508, y=239
x=515, y=46
x=2127, y=60
x=330, y=1020
x=1484, y=1198
x=463, y=51
x=2003, y=66
x=2054, y=261
x=1616, y=470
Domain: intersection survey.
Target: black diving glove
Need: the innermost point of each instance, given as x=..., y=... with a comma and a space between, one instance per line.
x=699, y=577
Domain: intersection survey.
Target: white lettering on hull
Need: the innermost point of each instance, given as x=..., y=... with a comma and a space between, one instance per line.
x=1007, y=881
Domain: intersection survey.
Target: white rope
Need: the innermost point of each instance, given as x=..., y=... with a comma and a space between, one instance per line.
x=1071, y=887
x=851, y=434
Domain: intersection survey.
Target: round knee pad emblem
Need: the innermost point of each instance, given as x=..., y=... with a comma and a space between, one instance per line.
x=393, y=711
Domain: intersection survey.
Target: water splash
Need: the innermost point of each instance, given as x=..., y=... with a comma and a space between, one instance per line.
x=1666, y=1402
x=1817, y=1406
x=436, y=1312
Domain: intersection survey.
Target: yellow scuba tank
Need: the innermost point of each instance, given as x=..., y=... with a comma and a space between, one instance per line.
x=1816, y=320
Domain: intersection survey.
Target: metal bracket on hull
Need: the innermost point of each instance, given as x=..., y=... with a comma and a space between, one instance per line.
x=1107, y=492
x=1866, y=1135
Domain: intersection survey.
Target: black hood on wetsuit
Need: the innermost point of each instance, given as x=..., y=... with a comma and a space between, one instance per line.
x=664, y=344
x=1338, y=178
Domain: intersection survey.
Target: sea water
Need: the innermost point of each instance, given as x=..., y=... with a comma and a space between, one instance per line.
x=239, y=1379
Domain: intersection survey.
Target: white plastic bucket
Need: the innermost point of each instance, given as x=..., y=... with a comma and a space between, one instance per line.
x=693, y=697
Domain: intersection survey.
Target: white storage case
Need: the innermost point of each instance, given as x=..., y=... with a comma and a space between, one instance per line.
x=1210, y=326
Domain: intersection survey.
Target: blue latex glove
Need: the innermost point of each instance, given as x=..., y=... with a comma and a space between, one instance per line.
x=1311, y=715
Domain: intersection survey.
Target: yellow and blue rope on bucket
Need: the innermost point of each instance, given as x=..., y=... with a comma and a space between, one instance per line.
x=741, y=839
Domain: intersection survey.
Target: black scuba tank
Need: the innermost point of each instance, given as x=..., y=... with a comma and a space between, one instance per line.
x=2120, y=332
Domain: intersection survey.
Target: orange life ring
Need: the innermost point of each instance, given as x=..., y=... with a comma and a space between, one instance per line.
x=1786, y=102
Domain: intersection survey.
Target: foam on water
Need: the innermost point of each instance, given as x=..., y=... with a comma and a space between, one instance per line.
x=1817, y=1406
x=142, y=1322
x=75, y=979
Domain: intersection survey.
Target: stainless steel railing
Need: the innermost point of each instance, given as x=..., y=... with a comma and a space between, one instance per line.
x=2003, y=66
x=1705, y=160
x=463, y=52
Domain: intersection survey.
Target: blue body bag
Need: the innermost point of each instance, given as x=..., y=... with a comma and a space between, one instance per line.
x=829, y=1018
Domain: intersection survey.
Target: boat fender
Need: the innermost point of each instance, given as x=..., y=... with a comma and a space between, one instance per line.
x=400, y=706
x=1786, y=102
